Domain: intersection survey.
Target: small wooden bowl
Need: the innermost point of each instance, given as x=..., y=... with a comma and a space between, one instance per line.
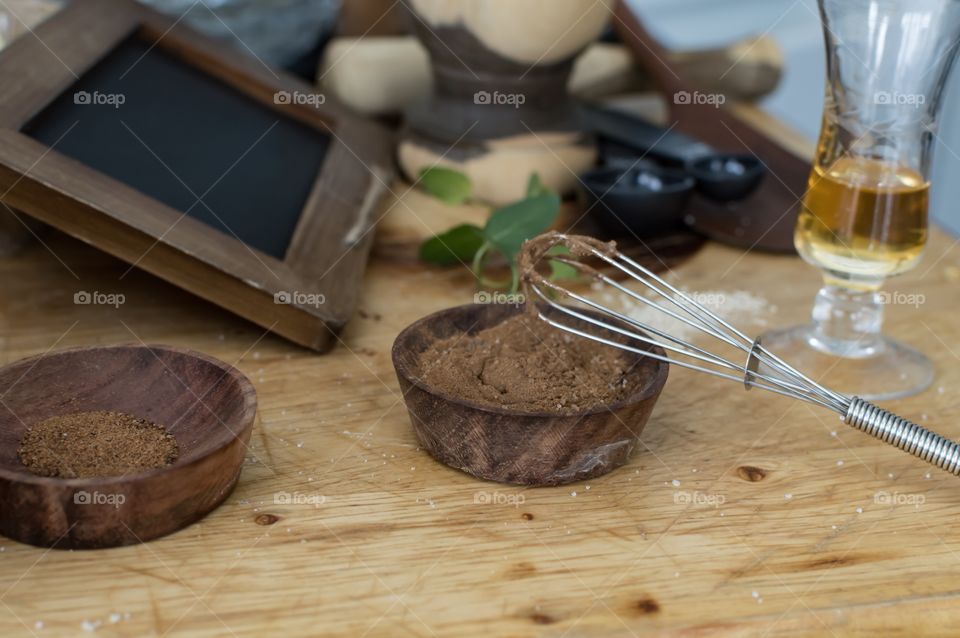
x=509, y=446
x=207, y=405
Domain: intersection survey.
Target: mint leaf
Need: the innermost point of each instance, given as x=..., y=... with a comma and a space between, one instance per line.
x=535, y=186
x=511, y=225
x=457, y=245
x=449, y=186
x=558, y=269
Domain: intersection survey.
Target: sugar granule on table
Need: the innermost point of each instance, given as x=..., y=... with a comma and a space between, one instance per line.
x=738, y=306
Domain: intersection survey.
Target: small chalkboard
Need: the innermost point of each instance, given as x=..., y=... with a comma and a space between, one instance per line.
x=196, y=145
x=193, y=161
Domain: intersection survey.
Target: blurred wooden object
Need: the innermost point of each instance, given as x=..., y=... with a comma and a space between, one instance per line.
x=376, y=76
x=22, y=16
x=16, y=230
x=766, y=219
x=372, y=18
x=746, y=70
x=18, y=17
x=499, y=108
x=384, y=75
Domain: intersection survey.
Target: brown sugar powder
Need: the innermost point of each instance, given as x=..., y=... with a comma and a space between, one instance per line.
x=524, y=364
x=96, y=444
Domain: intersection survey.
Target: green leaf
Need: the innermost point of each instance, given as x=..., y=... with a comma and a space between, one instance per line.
x=511, y=225
x=446, y=184
x=535, y=186
x=558, y=269
x=457, y=245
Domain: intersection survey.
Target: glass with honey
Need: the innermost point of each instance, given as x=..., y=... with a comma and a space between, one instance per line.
x=864, y=214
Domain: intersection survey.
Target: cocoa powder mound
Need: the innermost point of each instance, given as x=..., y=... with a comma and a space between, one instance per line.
x=96, y=444
x=525, y=364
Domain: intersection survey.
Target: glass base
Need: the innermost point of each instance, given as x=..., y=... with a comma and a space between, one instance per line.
x=882, y=369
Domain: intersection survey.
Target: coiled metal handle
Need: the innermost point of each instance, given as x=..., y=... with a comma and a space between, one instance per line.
x=908, y=436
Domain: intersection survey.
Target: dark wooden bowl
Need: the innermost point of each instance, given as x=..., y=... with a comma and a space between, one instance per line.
x=509, y=446
x=208, y=406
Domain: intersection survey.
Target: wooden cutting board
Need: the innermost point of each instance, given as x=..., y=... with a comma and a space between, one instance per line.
x=734, y=518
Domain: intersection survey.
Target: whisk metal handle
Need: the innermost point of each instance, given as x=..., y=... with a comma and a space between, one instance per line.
x=901, y=433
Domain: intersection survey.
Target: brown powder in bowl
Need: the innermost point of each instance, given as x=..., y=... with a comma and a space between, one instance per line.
x=525, y=364
x=96, y=444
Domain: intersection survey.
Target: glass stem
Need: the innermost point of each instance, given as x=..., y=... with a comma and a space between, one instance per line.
x=846, y=322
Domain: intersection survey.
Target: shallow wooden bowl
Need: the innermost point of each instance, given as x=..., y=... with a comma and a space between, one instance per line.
x=207, y=405
x=510, y=446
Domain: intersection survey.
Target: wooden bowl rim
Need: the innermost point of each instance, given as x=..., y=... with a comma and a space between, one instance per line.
x=650, y=389
x=246, y=418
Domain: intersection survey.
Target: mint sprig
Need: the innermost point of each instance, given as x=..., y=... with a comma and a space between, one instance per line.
x=504, y=233
x=449, y=186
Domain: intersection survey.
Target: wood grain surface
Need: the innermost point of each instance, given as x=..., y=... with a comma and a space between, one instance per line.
x=765, y=533
x=340, y=526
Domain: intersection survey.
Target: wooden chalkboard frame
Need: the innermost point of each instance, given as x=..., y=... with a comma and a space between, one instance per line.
x=330, y=246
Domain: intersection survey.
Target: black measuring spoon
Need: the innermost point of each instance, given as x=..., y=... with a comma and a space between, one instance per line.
x=637, y=196
x=722, y=177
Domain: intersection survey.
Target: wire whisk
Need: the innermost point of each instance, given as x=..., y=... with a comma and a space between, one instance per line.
x=760, y=368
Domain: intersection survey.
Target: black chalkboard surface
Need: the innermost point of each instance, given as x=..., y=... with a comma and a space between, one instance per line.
x=145, y=118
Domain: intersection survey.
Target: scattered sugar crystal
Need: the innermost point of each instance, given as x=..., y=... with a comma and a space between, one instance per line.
x=675, y=483
x=736, y=305
x=573, y=493
x=859, y=510
x=840, y=462
x=38, y=624
x=788, y=496
x=755, y=594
